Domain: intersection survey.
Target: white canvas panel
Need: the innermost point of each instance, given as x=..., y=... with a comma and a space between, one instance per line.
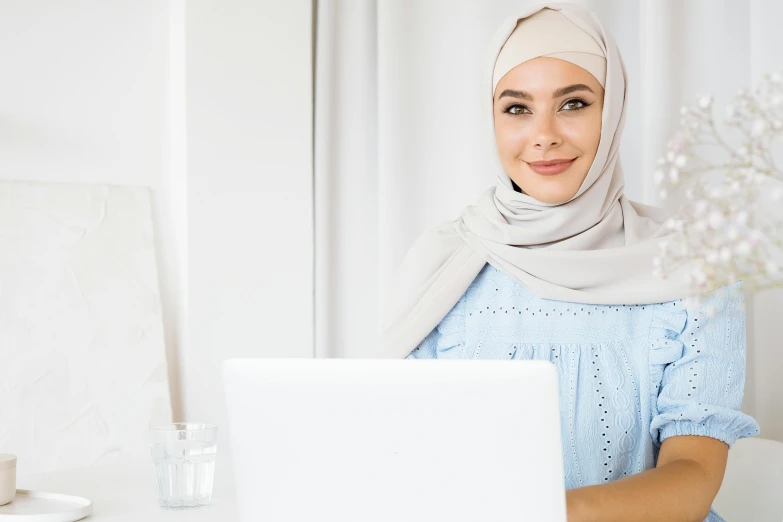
x=82, y=359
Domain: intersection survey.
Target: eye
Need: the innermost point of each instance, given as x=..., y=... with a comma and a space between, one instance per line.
x=575, y=104
x=516, y=109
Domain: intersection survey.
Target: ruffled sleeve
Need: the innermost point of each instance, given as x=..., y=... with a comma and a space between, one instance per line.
x=447, y=340
x=697, y=368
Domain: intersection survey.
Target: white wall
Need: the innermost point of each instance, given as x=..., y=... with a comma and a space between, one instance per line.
x=83, y=90
x=249, y=164
x=83, y=98
x=209, y=103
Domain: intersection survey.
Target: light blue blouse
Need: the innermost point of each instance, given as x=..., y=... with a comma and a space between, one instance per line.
x=631, y=376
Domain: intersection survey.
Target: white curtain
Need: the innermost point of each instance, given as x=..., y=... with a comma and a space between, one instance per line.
x=400, y=142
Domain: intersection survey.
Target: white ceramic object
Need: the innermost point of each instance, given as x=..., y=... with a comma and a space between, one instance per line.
x=753, y=482
x=32, y=506
x=7, y=478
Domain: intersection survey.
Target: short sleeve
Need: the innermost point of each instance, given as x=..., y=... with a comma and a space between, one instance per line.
x=447, y=340
x=701, y=391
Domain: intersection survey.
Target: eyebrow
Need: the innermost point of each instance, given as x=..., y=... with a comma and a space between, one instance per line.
x=558, y=93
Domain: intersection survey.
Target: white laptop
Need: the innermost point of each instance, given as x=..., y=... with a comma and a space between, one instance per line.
x=355, y=440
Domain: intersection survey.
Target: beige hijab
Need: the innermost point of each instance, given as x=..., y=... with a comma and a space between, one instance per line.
x=596, y=248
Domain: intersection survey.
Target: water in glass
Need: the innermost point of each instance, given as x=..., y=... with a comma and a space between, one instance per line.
x=184, y=468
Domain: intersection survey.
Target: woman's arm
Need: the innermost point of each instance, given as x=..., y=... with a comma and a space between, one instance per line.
x=680, y=489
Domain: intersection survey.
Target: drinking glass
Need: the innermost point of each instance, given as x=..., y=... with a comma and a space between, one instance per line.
x=184, y=458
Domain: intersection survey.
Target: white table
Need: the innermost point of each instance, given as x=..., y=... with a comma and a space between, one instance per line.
x=126, y=493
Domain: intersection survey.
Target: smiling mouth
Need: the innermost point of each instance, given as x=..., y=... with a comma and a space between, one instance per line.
x=551, y=167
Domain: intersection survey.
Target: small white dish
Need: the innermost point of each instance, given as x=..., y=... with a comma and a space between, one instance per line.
x=32, y=506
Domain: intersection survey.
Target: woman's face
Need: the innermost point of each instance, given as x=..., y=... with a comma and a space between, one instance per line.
x=547, y=116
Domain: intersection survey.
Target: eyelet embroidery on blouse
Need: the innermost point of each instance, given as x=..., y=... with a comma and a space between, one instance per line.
x=554, y=312
x=598, y=385
x=698, y=350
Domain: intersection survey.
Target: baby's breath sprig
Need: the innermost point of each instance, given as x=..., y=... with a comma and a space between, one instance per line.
x=728, y=225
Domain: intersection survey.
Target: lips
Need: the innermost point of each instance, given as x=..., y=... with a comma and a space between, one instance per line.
x=551, y=167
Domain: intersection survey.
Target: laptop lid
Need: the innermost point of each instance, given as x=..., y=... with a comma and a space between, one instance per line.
x=355, y=440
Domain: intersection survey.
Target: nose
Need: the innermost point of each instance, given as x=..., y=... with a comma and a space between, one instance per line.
x=546, y=134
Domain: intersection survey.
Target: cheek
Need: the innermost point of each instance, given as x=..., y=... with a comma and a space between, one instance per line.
x=510, y=139
x=585, y=134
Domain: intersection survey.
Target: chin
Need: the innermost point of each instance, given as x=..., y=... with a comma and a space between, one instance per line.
x=552, y=192
x=552, y=199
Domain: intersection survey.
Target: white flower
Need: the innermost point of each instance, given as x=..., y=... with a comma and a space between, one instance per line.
x=741, y=217
x=689, y=194
x=771, y=267
x=699, y=276
x=657, y=261
x=681, y=160
x=742, y=249
x=732, y=233
x=711, y=257
x=735, y=186
x=760, y=127
x=663, y=194
x=777, y=194
x=701, y=226
x=674, y=175
x=776, y=77
x=700, y=207
x=725, y=254
x=742, y=151
x=776, y=101
x=705, y=102
x=716, y=219
x=658, y=177
x=684, y=110
x=777, y=125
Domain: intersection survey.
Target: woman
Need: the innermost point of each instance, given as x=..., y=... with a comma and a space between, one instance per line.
x=555, y=263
